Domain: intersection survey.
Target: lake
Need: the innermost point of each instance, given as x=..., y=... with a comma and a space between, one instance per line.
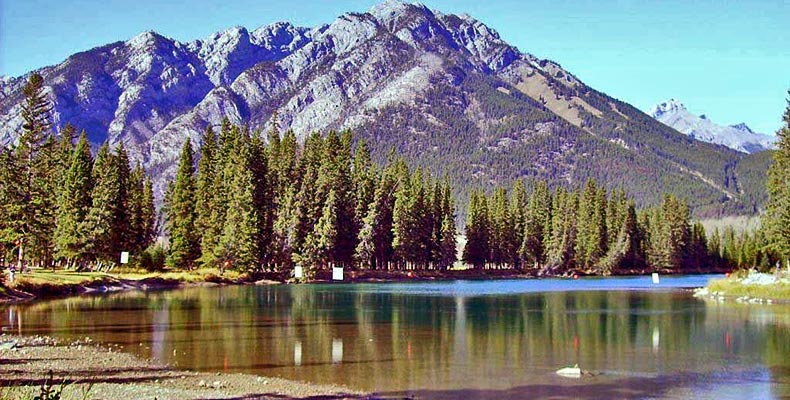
x=460, y=339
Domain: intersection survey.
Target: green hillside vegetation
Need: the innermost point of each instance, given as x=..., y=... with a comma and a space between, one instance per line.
x=481, y=132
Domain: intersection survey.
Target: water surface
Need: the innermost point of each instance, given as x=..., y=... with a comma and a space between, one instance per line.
x=469, y=339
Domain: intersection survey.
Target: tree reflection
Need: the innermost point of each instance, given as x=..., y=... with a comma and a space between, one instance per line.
x=373, y=340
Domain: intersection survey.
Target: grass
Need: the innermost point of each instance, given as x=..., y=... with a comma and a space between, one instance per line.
x=58, y=283
x=732, y=287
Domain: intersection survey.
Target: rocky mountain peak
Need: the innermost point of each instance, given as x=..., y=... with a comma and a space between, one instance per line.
x=145, y=40
x=742, y=127
x=738, y=137
x=668, y=106
x=392, y=11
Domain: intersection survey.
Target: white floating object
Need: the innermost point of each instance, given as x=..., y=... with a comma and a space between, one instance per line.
x=655, y=278
x=570, y=372
x=337, y=273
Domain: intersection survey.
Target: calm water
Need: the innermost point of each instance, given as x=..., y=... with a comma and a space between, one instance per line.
x=470, y=339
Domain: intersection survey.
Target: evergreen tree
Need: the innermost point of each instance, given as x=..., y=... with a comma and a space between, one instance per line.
x=537, y=226
x=204, y=191
x=626, y=253
x=101, y=216
x=263, y=199
x=12, y=204
x=74, y=204
x=377, y=227
x=518, y=212
x=448, y=241
x=184, y=245
x=777, y=213
x=122, y=235
x=238, y=246
x=477, y=248
x=36, y=110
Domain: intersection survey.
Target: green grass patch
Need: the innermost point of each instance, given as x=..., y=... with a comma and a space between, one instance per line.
x=732, y=287
x=59, y=283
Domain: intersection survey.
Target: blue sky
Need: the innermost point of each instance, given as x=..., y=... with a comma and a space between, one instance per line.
x=727, y=59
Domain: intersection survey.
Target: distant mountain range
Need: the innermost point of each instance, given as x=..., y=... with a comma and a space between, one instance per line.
x=445, y=91
x=738, y=137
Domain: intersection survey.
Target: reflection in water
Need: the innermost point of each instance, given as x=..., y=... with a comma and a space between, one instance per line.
x=644, y=344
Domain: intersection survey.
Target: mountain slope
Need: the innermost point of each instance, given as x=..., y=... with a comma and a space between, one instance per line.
x=443, y=90
x=738, y=137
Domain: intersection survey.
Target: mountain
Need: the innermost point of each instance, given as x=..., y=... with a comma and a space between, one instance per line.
x=738, y=137
x=443, y=90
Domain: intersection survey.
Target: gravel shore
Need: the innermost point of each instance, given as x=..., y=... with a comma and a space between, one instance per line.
x=90, y=371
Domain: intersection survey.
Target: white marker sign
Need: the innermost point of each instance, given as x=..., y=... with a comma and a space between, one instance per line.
x=337, y=274
x=124, y=257
x=298, y=272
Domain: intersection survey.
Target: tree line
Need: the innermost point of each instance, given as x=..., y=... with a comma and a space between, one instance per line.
x=593, y=231
x=257, y=203
x=61, y=207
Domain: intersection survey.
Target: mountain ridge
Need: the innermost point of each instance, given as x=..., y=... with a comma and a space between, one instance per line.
x=738, y=136
x=437, y=88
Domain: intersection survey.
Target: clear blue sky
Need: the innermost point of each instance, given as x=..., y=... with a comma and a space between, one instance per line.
x=727, y=59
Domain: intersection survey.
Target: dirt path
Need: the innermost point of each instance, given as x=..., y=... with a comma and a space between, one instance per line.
x=95, y=372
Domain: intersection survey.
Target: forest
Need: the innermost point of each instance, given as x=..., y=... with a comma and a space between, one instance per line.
x=60, y=206
x=263, y=202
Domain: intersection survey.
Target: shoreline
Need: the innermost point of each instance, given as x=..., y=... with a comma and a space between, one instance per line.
x=29, y=288
x=752, y=288
x=98, y=371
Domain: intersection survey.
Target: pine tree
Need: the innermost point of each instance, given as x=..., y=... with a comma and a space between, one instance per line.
x=100, y=219
x=36, y=110
x=449, y=253
x=74, y=204
x=537, y=226
x=263, y=199
x=777, y=215
x=364, y=179
x=477, y=247
x=11, y=201
x=204, y=189
x=122, y=235
x=377, y=227
x=626, y=252
x=518, y=212
x=238, y=246
x=560, y=251
x=184, y=245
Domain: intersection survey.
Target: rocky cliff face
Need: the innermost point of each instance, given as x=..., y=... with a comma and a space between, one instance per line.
x=438, y=88
x=737, y=137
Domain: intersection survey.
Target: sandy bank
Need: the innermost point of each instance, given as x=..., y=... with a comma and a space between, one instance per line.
x=106, y=373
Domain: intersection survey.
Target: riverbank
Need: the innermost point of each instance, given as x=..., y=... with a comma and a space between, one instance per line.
x=45, y=284
x=90, y=371
x=749, y=287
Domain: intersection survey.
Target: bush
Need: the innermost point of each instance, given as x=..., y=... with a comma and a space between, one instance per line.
x=152, y=259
